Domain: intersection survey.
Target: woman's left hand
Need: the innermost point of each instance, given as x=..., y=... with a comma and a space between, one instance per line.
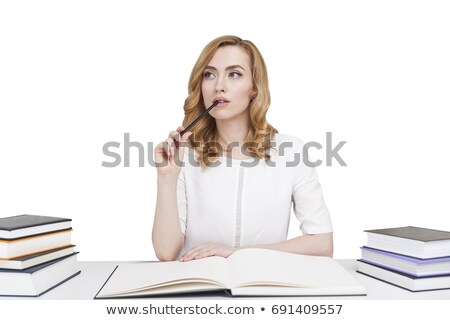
x=207, y=250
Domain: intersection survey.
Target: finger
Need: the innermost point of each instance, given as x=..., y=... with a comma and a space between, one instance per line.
x=206, y=250
x=204, y=254
x=177, y=139
x=165, y=147
x=171, y=146
x=190, y=256
x=185, y=256
x=209, y=250
x=186, y=136
x=193, y=251
x=172, y=136
x=160, y=150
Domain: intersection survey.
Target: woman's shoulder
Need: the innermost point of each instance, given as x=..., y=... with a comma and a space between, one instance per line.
x=287, y=140
x=286, y=148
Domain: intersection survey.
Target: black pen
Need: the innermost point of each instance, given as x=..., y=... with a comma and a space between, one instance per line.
x=199, y=117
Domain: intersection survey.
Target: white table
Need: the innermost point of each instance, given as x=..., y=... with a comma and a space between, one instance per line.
x=94, y=274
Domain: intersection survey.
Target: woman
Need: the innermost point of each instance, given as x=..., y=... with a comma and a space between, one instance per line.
x=225, y=202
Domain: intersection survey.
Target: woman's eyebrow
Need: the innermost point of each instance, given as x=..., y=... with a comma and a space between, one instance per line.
x=234, y=66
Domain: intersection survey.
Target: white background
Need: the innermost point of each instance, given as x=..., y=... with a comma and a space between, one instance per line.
x=75, y=75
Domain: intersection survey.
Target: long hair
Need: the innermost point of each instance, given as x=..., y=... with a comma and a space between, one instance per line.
x=204, y=136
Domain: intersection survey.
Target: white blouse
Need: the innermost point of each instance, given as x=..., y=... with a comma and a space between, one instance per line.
x=247, y=202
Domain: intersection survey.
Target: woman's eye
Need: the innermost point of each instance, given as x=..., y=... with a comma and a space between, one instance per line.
x=208, y=75
x=235, y=74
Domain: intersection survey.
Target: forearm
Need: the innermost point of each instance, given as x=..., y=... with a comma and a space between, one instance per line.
x=313, y=244
x=167, y=236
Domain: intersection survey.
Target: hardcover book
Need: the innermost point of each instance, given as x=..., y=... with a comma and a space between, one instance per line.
x=37, y=280
x=10, y=249
x=247, y=272
x=30, y=260
x=26, y=225
x=406, y=264
x=411, y=241
x=406, y=281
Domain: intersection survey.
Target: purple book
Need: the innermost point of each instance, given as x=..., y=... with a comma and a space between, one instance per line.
x=415, y=267
x=407, y=258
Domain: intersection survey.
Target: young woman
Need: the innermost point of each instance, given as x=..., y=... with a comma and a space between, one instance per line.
x=237, y=178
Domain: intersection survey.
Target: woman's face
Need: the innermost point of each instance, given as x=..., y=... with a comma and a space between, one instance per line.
x=228, y=78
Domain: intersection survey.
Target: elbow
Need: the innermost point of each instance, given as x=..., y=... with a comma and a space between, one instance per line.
x=323, y=244
x=165, y=257
x=328, y=252
x=166, y=252
x=327, y=245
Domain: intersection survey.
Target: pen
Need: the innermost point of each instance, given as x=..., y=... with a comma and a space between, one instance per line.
x=199, y=117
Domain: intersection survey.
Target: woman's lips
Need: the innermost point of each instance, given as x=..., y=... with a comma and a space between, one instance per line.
x=223, y=103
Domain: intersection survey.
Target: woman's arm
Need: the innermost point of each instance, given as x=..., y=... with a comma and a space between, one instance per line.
x=310, y=244
x=167, y=236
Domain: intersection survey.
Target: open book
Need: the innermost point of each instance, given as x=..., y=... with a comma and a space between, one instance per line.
x=247, y=272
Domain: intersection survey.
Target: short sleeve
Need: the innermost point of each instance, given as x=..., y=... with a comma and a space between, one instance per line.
x=307, y=196
x=182, y=200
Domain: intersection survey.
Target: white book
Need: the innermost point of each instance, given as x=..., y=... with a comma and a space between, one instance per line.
x=247, y=272
x=10, y=249
x=415, y=242
x=403, y=280
x=37, y=280
x=30, y=260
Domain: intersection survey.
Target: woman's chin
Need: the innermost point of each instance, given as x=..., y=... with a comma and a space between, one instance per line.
x=227, y=115
x=220, y=115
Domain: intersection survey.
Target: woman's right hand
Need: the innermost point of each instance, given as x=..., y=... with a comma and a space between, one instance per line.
x=169, y=154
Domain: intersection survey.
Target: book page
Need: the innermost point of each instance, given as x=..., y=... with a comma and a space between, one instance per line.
x=130, y=277
x=250, y=267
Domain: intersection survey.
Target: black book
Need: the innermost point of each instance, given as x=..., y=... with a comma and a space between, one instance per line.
x=25, y=225
x=37, y=280
x=411, y=241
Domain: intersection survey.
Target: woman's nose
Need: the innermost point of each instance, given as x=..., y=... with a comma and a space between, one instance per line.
x=220, y=85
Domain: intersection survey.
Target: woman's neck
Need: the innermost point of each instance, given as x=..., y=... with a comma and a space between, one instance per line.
x=232, y=131
x=232, y=134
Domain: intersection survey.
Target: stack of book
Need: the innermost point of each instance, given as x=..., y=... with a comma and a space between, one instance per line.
x=36, y=254
x=416, y=259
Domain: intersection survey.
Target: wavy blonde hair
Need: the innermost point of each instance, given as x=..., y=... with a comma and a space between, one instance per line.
x=204, y=137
